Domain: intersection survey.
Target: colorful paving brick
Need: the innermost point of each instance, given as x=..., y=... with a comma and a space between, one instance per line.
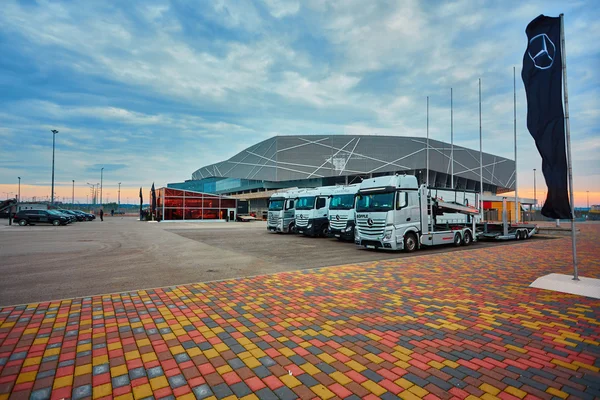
x=454, y=325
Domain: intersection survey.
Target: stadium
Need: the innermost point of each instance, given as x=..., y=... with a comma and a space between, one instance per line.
x=322, y=160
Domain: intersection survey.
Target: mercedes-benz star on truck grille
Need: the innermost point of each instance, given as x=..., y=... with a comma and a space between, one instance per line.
x=339, y=222
x=375, y=229
x=302, y=220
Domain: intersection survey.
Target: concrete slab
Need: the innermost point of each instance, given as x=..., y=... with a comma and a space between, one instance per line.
x=588, y=287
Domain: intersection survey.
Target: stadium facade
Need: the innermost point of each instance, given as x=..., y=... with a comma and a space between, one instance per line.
x=318, y=160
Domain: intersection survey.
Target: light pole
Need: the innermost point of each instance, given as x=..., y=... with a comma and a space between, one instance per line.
x=19, y=195
x=54, y=132
x=101, y=173
x=119, y=201
x=588, y=199
x=534, y=193
x=73, y=194
x=7, y=193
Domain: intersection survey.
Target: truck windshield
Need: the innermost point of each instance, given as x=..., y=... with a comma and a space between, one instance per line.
x=305, y=203
x=342, y=202
x=375, y=202
x=276, y=205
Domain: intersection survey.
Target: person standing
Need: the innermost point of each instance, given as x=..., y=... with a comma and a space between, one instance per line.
x=101, y=215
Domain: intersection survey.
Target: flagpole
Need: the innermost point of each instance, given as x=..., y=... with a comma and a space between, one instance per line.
x=480, y=158
x=451, y=142
x=568, y=133
x=427, y=152
x=515, y=128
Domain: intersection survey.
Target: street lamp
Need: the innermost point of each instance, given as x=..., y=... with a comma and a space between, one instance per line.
x=54, y=132
x=101, y=173
x=119, y=201
x=73, y=194
x=588, y=199
x=19, y=195
x=534, y=193
x=7, y=193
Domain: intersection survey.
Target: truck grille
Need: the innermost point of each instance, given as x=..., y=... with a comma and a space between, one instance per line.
x=301, y=220
x=338, y=224
x=376, y=229
x=272, y=219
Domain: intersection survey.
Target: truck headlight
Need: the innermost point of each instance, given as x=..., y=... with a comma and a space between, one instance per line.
x=388, y=235
x=308, y=226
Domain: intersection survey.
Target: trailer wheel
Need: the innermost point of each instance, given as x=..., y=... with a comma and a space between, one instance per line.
x=525, y=235
x=410, y=242
x=468, y=239
x=457, y=239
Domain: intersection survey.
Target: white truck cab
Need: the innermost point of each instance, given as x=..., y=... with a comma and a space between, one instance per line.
x=342, y=213
x=395, y=213
x=312, y=207
x=282, y=212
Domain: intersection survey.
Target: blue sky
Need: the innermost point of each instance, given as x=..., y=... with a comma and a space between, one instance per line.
x=154, y=90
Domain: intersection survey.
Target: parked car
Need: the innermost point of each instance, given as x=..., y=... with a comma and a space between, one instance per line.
x=78, y=216
x=88, y=216
x=25, y=217
x=70, y=217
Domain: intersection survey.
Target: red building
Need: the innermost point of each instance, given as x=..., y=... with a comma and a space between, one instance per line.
x=184, y=205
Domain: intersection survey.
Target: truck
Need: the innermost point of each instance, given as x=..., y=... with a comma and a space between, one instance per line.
x=506, y=230
x=341, y=213
x=311, y=211
x=282, y=211
x=395, y=213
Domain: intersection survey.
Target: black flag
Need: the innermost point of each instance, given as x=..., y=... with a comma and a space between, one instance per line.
x=153, y=199
x=141, y=202
x=542, y=76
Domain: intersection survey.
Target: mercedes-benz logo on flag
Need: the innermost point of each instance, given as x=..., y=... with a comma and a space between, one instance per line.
x=370, y=222
x=337, y=217
x=541, y=50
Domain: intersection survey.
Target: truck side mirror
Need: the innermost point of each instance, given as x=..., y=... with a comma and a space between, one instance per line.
x=402, y=200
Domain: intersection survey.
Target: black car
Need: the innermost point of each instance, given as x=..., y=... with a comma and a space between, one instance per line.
x=70, y=217
x=88, y=216
x=78, y=216
x=25, y=217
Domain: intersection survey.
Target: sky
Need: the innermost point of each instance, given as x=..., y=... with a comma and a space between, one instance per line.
x=153, y=90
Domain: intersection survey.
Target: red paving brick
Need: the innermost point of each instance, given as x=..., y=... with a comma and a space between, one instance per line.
x=419, y=319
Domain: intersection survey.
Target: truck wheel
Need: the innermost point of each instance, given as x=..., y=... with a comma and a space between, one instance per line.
x=457, y=240
x=324, y=230
x=23, y=222
x=467, y=240
x=292, y=228
x=410, y=242
x=56, y=222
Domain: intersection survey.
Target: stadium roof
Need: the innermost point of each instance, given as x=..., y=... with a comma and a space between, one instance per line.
x=286, y=158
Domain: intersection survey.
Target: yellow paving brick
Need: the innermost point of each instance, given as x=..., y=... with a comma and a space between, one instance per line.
x=252, y=362
x=408, y=395
x=405, y=383
x=290, y=381
x=114, y=346
x=27, y=377
x=327, y=358
x=232, y=397
x=127, y=396
x=189, y=396
x=147, y=357
x=515, y=348
x=374, y=358
x=211, y=353
x=84, y=347
x=246, y=354
x=373, y=387
x=250, y=397
x=100, y=360
x=356, y=366
x=119, y=370
x=51, y=352
x=32, y=361
x=142, y=391
x=515, y=392
x=132, y=355
x=159, y=382
x=310, y=369
x=402, y=364
x=143, y=342
x=83, y=369
x=258, y=353
x=346, y=351
x=221, y=347
x=287, y=352
x=419, y=391
x=451, y=364
x=435, y=364
x=489, y=389
x=63, y=381
x=340, y=377
x=586, y=366
x=564, y=364
x=401, y=356
x=223, y=369
x=557, y=392
x=102, y=390
x=176, y=350
x=194, y=351
x=322, y=391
